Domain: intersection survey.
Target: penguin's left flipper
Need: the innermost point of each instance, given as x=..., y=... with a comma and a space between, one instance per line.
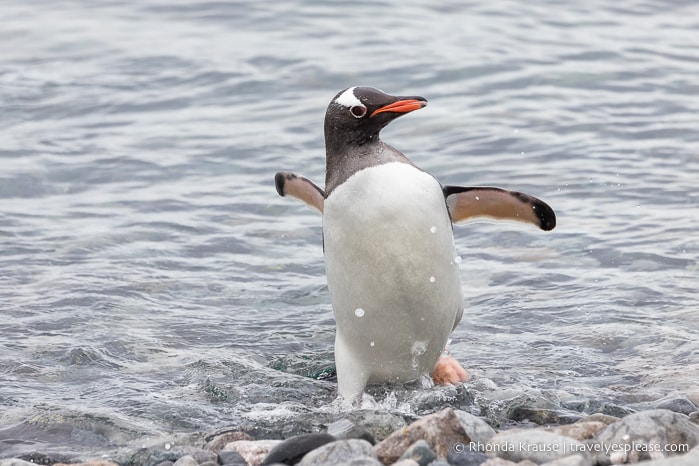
x=447, y=371
x=291, y=184
x=468, y=203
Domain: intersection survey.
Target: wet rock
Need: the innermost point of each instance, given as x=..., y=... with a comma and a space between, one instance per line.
x=202, y=456
x=611, y=409
x=476, y=428
x=186, y=461
x=644, y=436
x=291, y=450
x=380, y=425
x=536, y=445
x=579, y=431
x=165, y=463
x=466, y=455
x=252, y=451
x=339, y=452
x=345, y=429
x=420, y=452
x=216, y=442
x=441, y=430
x=678, y=405
x=543, y=416
x=209, y=463
x=572, y=460
x=694, y=417
x=231, y=458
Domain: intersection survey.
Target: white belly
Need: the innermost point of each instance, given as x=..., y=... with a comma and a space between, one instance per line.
x=392, y=274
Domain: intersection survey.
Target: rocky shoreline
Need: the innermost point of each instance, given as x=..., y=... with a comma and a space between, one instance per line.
x=449, y=437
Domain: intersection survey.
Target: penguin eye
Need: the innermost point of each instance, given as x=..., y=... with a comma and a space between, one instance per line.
x=358, y=111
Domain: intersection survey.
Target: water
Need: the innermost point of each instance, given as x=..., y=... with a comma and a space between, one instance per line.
x=153, y=281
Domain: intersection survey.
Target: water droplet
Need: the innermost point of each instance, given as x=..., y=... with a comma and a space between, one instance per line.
x=457, y=259
x=168, y=446
x=478, y=198
x=433, y=229
x=371, y=343
x=359, y=312
x=432, y=279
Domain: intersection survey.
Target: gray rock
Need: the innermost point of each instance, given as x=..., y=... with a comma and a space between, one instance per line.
x=694, y=417
x=339, y=452
x=380, y=425
x=420, y=452
x=361, y=462
x=291, y=450
x=231, y=458
x=186, y=461
x=536, y=445
x=476, y=428
x=678, y=405
x=466, y=455
x=644, y=436
x=252, y=451
x=614, y=410
x=165, y=463
x=441, y=431
x=572, y=460
x=202, y=456
x=209, y=463
x=345, y=429
x=543, y=416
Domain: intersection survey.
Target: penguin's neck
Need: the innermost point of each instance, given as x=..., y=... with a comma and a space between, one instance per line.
x=343, y=161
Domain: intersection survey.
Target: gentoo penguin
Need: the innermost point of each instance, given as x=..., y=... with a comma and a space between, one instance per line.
x=392, y=269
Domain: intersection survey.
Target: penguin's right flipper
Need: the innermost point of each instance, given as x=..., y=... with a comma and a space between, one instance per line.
x=291, y=184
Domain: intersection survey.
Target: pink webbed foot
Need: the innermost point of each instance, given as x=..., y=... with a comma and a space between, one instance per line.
x=447, y=370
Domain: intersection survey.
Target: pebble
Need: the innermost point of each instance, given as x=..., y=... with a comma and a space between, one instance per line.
x=449, y=437
x=231, y=458
x=186, y=460
x=339, y=452
x=291, y=450
x=419, y=452
x=252, y=451
x=216, y=442
x=464, y=455
x=441, y=431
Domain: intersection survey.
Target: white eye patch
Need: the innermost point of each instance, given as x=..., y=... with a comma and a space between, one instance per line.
x=348, y=99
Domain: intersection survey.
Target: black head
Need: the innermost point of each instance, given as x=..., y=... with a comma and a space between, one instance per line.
x=356, y=116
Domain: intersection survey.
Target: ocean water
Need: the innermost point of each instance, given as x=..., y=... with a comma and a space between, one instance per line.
x=152, y=282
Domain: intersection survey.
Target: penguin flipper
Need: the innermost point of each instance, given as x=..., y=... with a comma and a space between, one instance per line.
x=291, y=184
x=470, y=202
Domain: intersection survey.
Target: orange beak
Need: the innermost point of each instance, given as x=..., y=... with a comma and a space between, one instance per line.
x=402, y=106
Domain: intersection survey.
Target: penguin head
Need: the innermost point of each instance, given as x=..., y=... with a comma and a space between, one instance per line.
x=356, y=115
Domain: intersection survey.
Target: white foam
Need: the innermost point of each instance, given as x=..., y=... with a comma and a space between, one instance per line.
x=348, y=99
